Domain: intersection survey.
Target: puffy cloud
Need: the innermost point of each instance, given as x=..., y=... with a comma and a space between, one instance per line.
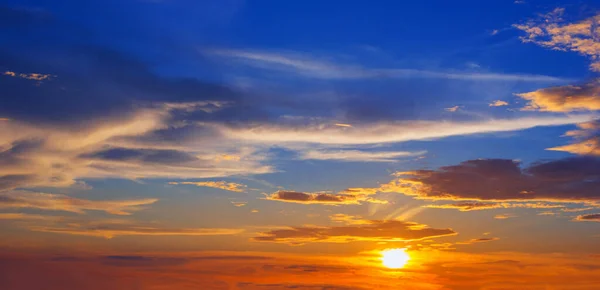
x=498, y=103
x=230, y=186
x=552, y=32
x=589, y=218
x=345, y=197
x=564, y=180
x=358, y=155
x=60, y=202
x=379, y=231
x=567, y=98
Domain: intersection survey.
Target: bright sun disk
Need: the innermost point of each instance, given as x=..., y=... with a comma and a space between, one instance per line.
x=394, y=258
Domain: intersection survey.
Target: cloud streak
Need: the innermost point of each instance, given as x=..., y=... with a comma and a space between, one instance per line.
x=307, y=66
x=379, y=231
x=229, y=186
x=60, y=202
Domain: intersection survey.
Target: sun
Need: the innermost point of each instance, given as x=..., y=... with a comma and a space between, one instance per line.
x=394, y=258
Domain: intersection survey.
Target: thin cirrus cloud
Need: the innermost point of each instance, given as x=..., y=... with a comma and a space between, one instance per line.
x=374, y=230
x=324, y=198
x=229, y=186
x=472, y=206
x=571, y=180
x=388, y=132
x=358, y=155
x=106, y=228
x=475, y=241
x=308, y=66
x=59, y=202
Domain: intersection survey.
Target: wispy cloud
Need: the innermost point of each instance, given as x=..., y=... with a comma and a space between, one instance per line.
x=388, y=132
x=230, y=186
x=324, y=198
x=308, y=66
x=379, y=231
x=358, y=156
x=59, y=202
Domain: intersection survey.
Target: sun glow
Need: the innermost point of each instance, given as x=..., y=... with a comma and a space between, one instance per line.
x=394, y=258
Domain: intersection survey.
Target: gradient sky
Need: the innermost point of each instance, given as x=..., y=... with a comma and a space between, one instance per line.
x=178, y=144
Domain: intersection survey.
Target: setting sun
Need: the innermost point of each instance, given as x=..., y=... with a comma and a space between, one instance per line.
x=394, y=258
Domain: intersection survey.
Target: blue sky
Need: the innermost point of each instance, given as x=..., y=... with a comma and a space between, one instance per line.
x=467, y=127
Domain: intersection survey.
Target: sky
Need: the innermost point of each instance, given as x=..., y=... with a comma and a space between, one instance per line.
x=178, y=144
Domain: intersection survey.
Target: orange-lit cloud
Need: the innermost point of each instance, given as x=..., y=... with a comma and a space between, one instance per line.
x=29, y=76
x=60, y=202
x=475, y=241
x=498, y=103
x=230, y=186
x=109, y=230
x=378, y=231
x=472, y=205
x=322, y=197
x=595, y=217
x=504, y=216
x=586, y=140
x=552, y=32
x=568, y=98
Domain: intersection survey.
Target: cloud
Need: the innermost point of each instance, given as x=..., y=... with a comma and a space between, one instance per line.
x=504, y=216
x=586, y=140
x=111, y=230
x=308, y=66
x=563, y=180
x=569, y=98
x=551, y=31
x=498, y=103
x=589, y=218
x=324, y=198
x=378, y=231
x=230, y=186
x=471, y=205
x=348, y=219
x=475, y=241
x=452, y=109
x=358, y=155
x=387, y=132
x=60, y=202
x=105, y=228
x=28, y=76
